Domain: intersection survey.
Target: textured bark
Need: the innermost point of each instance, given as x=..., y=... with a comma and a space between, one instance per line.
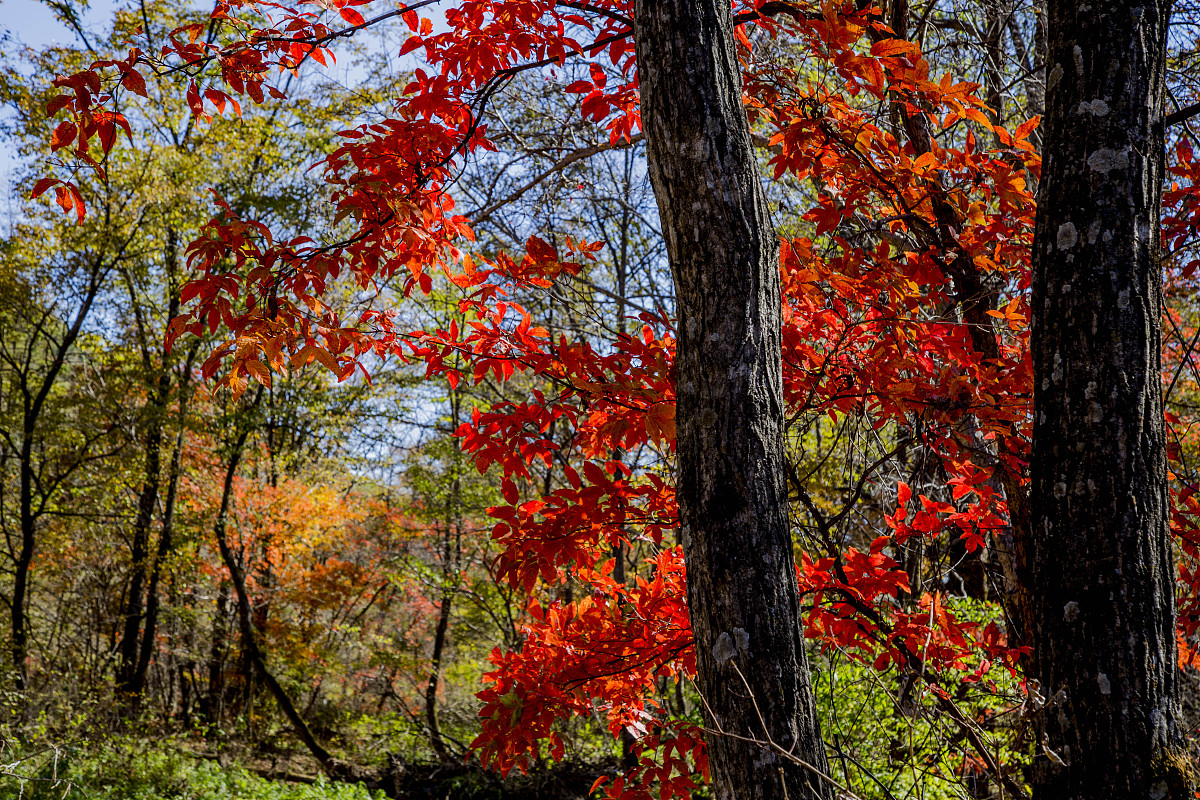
x=452, y=525
x=1101, y=582
x=732, y=499
x=23, y=563
x=976, y=297
x=138, y=633
x=995, y=15
x=214, y=699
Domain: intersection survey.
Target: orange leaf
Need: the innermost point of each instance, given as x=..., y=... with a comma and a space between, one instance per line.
x=64, y=134
x=660, y=421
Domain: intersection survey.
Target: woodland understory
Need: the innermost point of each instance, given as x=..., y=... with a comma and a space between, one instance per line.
x=341, y=347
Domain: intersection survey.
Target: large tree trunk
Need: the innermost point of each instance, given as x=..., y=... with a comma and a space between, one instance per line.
x=745, y=608
x=1101, y=582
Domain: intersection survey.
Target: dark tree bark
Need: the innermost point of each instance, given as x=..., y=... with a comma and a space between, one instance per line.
x=435, y=671
x=139, y=629
x=451, y=558
x=140, y=543
x=214, y=699
x=723, y=250
x=1101, y=582
x=166, y=542
x=995, y=16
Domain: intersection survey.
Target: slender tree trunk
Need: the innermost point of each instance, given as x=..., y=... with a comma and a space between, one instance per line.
x=214, y=701
x=23, y=563
x=995, y=16
x=451, y=557
x=723, y=250
x=629, y=757
x=35, y=396
x=1101, y=569
x=435, y=671
x=131, y=673
x=166, y=541
x=140, y=545
x=333, y=767
x=185, y=696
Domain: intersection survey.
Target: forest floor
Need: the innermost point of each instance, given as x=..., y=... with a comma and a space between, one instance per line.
x=173, y=768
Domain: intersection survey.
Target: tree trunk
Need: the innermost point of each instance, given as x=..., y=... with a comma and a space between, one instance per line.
x=131, y=673
x=140, y=546
x=333, y=767
x=1101, y=582
x=995, y=15
x=451, y=561
x=745, y=608
x=435, y=671
x=23, y=563
x=166, y=541
x=35, y=394
x=214, y=700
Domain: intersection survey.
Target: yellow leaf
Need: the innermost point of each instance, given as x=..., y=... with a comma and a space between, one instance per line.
x=975, y=213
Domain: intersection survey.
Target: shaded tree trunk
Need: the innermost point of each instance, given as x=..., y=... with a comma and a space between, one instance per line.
x=435, y=671
x=22, y=564
x=745, y=609
x=451, y=561
x=145, y=569
x=214, y=699
x=1101, y=570
x=166, y=541
x=140, y=544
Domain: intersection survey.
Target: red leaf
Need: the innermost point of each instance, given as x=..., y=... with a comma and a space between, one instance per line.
x=134, y=82
x=57, y=104
x=352, y=16
x=41, y=186
x=660, y=421
x=1026, y=128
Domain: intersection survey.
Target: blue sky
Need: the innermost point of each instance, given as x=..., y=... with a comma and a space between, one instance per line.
x=34, y=24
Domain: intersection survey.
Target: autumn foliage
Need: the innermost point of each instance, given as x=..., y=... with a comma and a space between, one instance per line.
x=906, y=288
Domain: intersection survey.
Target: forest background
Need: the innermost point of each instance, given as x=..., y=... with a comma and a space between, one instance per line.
x=442, y=536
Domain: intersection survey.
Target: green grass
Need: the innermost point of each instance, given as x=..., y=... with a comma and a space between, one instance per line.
x=122, y=769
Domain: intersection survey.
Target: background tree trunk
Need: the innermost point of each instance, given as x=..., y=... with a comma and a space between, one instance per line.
x=1102, y=573
x=140, y=546
x=732, y=498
